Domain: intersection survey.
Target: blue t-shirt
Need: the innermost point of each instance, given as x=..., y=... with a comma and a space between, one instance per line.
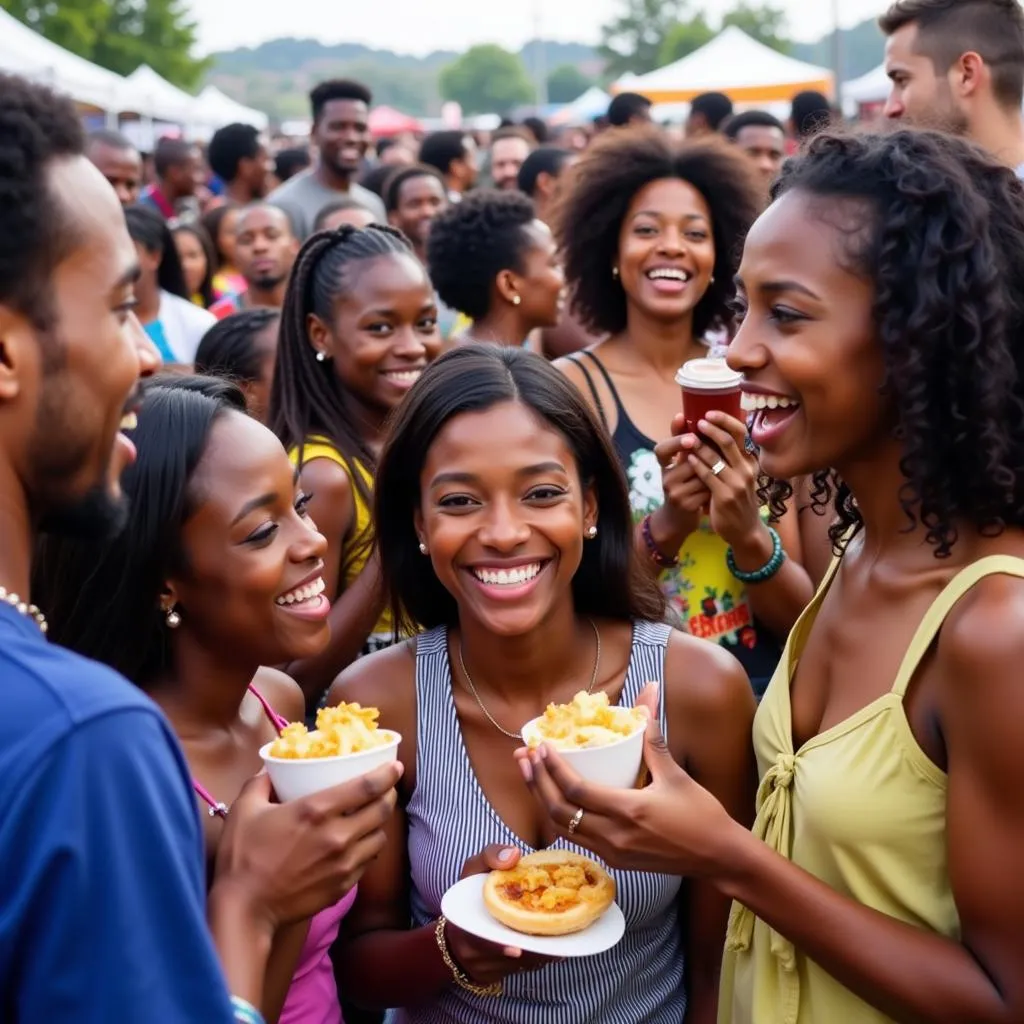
x=102, y=897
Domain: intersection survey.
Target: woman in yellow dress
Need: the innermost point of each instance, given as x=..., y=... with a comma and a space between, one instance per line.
x=358, y=327
x=883, y=294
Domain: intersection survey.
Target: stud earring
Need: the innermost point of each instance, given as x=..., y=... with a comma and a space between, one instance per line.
x=516, y=300
x=712, y=279
x=591, y=532
x=615, y=271
x=423, y=548
x=321, y=357
x=173, y=619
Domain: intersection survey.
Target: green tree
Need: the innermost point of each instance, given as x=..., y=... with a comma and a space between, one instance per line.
x=120, y=34
x=567, y=83
x=632, y=41
x=765, y=22
x=683, y=38
x=486, y=79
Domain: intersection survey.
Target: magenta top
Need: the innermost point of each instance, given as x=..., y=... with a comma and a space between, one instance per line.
x=313, y=994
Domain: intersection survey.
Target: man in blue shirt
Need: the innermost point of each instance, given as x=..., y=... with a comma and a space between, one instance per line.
x=103, y=909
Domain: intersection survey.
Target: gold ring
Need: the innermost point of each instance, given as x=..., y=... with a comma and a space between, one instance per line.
x=718, y=467
x=575, y=823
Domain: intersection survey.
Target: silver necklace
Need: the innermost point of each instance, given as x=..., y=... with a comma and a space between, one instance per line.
x=490, y=717
x=30, y=611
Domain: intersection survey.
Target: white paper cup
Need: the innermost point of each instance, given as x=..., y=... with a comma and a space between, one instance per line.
x=616, y=764
x=294, y=777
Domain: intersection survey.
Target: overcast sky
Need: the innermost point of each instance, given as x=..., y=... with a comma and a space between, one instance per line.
x=419, y=26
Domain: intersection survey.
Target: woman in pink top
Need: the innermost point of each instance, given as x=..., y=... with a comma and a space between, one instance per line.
x=217, y=573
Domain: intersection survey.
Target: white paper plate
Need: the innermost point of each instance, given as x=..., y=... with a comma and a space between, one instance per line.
x=463, y=905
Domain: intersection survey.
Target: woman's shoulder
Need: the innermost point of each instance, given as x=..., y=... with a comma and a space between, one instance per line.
x=703, y=679
x=281, y=692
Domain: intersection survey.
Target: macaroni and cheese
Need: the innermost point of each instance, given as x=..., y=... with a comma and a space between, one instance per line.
x=345, y=729
x=588, y=721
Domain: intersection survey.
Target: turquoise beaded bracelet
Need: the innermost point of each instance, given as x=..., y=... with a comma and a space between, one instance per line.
x=767, y=571
x=245, y=1012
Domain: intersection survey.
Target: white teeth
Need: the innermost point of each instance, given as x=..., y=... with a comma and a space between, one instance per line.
x=404, y=376
x=129, y=421
x=752, y=403
x=669, y=273
x=300, y=594
x=508, y=577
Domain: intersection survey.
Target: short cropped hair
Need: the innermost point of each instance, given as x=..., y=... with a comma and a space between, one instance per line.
x=231, y=145
x=337, y=89
x=994, y=29
x=751, y=119
x=37, y=128
x=624, y=107
x=544, y=160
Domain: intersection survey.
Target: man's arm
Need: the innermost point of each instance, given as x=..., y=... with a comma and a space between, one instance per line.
x=102, y=890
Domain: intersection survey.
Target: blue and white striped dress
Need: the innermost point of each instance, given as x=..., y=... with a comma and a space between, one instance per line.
x=640, y=981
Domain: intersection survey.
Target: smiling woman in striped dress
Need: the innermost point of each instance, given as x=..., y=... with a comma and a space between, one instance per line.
x=504, y=528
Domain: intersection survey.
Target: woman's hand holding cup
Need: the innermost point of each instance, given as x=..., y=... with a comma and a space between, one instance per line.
x=673, y=826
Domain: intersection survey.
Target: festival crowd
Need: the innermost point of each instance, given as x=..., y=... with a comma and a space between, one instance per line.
x=399, y=424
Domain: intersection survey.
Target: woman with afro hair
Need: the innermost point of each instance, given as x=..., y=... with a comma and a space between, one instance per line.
x=651, y=230
x=882, y=294
x=493, y=261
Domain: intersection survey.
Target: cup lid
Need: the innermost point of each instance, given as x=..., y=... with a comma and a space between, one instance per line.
x=707, y=375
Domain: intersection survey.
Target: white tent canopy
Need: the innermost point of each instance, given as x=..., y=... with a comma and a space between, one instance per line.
x=162, y=100
x=25, y=52
x=874, y=87
x=217, y=109
x=744, y=69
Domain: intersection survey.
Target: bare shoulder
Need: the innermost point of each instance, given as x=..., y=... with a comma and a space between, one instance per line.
x=327, y=477
x=281, y=691
x=385, y=680
x=980, y=653
x=707, y=692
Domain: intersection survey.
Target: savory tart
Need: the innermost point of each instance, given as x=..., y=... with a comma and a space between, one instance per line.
x=551, y=892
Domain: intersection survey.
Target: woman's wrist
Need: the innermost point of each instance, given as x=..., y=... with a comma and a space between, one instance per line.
x=666, y=531
x=753, y=548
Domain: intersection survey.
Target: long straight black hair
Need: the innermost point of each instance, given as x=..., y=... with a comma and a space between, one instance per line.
x=609, y=583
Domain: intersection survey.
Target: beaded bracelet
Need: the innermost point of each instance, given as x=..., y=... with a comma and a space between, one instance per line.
x=245, y=1012
x=458, y=976
x=659, y=559
x=768, y=570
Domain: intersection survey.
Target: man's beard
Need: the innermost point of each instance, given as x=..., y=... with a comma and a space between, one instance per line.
x=268, y=284
x=96, y=516
x=56, y=454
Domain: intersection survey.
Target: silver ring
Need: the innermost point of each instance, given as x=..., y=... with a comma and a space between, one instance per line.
x=717, y=468
x=575, y=823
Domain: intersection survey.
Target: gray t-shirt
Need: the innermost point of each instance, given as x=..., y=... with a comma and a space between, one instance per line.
x=303, y=197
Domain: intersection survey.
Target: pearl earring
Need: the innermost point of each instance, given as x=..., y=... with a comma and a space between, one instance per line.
x=591, y=532
x=321, y=357
x=516, y=300
x=173, y=619
x=423, y=548
x=615, y=271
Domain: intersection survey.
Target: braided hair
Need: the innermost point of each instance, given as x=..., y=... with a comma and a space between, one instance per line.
x=306, y=397
x=227, y=348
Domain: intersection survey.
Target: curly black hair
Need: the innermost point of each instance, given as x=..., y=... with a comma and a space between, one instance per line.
x=229, y=146
x=604, y=182
x=943, y=244
x=37, y=126
x=471, y=242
